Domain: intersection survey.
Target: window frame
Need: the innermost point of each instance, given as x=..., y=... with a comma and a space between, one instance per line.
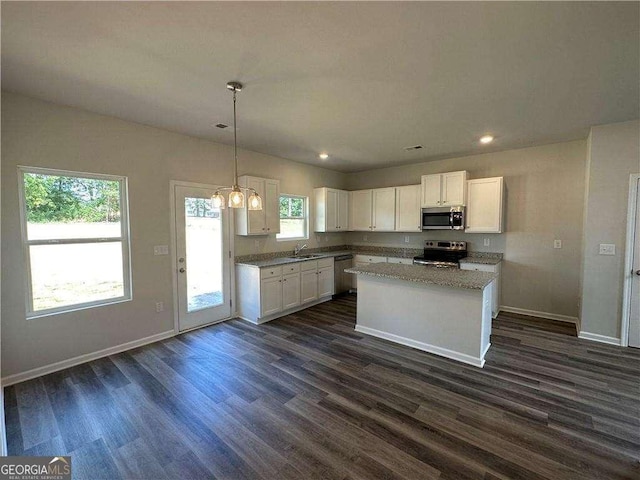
x=124, y=239
x=304, y=217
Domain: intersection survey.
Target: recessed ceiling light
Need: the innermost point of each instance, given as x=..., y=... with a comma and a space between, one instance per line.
x=486, y=139
x=324, y=156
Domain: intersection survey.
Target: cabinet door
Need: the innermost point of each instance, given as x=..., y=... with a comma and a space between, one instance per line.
x=408, y=209
x=454, y=185
x=484, y=205
x=256, y=219
x=309, y=285
x=431, y=190
x=343, y=210
x=271, y=207
x=270, y=296
x=325, y=282
x=290, y=291
x=360, y=207
x=384, y=209
x=331, y=210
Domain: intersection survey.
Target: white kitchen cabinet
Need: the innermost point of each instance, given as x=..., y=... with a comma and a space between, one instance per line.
x=444, y=189
x=331, y=210
x=259, y=222
x=270, y=292
x=485, y=205
x=402, y=261
x=482, y=267
x=408, y=209
x=309, y=288
x=290, y=290
x=373, y=210
x=360, y=208
x=270, y=296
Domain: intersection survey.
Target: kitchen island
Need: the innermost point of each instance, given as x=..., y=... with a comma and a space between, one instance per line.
x=442, y=311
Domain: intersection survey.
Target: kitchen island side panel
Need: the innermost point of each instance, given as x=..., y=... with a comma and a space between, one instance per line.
x=452, y=322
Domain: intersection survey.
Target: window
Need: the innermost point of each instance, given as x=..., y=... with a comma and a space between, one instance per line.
x=293, y=218
x=75, y=233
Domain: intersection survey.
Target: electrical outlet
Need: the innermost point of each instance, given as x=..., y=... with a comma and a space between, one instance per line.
x=607, y=249
x=557, y=244
x=256, y=245
x=159, y=307
x=406, y=239
x=365, y=238
x=487, y=242
x=161, y=250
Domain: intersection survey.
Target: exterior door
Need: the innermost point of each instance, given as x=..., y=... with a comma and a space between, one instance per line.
x=202, y=258
x=634, y=310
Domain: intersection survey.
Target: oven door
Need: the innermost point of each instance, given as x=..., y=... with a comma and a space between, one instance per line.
x=436, y=219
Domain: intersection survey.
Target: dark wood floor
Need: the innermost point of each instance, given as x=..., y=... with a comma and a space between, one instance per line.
x=307, y=397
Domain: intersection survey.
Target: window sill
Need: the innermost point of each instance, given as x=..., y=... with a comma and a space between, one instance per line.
x=291, y=239
x=76, y=308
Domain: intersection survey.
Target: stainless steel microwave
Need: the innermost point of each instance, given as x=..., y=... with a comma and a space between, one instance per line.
x=443, y=218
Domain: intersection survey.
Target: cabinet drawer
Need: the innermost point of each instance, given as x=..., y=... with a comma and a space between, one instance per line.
x=309, y=265
x=479, y=267
x=403, y=261
x=293, y=268
x=325, y=262
x=270, y=272
x=369, y=259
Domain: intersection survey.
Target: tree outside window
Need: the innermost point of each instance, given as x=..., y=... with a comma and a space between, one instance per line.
x=293, y=218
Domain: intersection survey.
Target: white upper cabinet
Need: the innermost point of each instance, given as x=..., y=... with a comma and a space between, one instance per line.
x=408, y=211
x=360, y=207
x=259, y=222
x=384, y=209
x=485, y=205
x=444, y=189
x=331, y=210
x=373, y=210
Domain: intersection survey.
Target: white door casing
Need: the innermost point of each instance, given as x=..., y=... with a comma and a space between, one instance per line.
x=202, y=258
x=631, y=299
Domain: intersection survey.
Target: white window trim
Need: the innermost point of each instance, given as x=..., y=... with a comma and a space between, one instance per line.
x=124, y=239
x=306, y=218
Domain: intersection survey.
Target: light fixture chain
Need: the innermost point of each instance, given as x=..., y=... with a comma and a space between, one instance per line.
x=235, y=142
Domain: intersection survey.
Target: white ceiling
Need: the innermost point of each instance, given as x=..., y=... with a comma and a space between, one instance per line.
x=358, y=80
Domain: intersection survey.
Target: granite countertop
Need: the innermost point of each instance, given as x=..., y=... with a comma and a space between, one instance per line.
x=283, y=258
x=446, y=277
x=486, y=258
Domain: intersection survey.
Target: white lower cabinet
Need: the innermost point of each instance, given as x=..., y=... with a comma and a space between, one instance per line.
x=402, y=261
x=267, y=293
x=483, y=267
x=290, y=290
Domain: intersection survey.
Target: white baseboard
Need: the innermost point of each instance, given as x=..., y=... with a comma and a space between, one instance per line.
x=536, y=313
x=596, y=337
x=289, y=311
x=71, y=362
x=425, y=347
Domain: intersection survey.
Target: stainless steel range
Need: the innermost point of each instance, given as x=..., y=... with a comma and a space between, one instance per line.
x=442, y=254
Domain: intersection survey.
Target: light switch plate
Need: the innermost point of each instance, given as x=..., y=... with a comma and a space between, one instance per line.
x=487, y=242
x=557, y=244
x=161, y=250
x=607, y=249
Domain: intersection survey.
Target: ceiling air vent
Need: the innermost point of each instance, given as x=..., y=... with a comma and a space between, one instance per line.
x=221, y=125
x=415, y=147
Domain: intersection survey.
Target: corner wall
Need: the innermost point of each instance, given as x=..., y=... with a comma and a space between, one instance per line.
x=41, y=134
x=544, y=201
x=613, y=155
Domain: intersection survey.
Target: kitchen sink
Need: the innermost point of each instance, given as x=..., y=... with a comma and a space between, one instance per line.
x=306, y=257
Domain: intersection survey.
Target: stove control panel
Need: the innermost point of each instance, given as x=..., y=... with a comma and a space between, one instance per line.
x=445, y=245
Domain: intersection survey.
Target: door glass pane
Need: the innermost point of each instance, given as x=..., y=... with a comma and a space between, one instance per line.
x=203, y=235
x=78, y=273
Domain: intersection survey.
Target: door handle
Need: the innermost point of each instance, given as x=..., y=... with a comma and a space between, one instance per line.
x=638, y=272
x=182, y=270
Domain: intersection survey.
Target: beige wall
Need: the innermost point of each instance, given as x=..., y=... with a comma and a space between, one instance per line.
x=614, y=154
x=544, y=201
x=36, y=133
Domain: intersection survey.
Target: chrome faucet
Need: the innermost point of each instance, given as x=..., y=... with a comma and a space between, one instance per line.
x=298, y=249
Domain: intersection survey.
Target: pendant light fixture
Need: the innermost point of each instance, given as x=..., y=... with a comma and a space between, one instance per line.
x=236, y=195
